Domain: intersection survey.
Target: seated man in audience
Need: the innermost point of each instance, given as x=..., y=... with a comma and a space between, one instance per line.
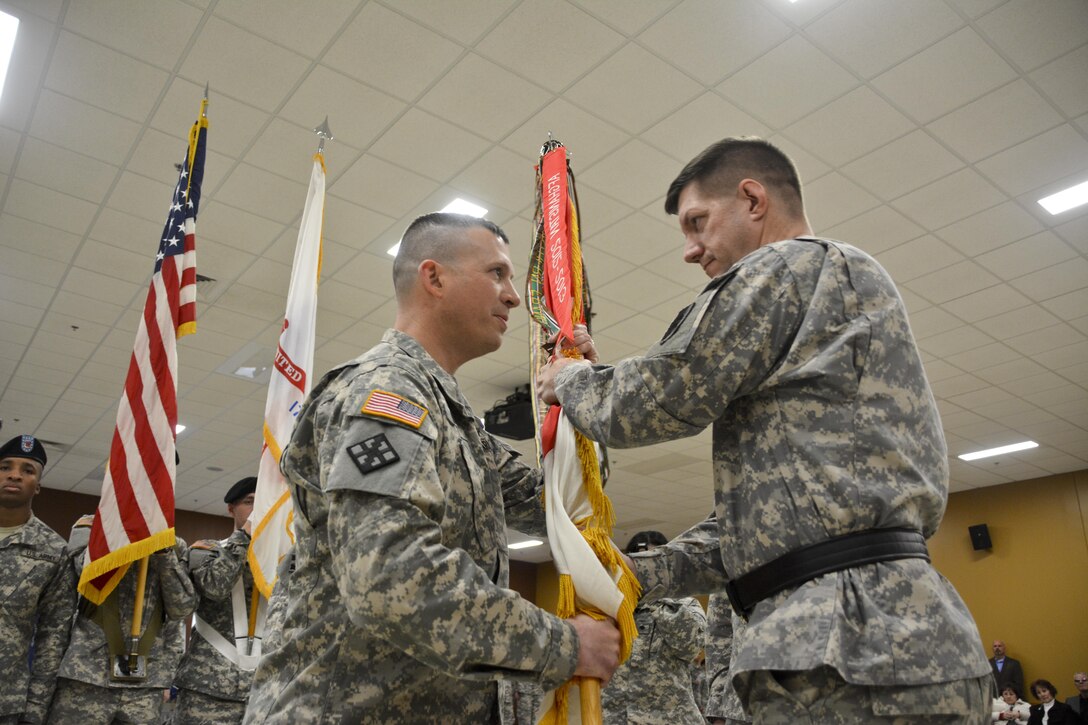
x=1079, y=701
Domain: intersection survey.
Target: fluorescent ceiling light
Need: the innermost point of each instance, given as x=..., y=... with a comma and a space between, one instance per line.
x=178, y=428
x=9, y=27
x=457, y=206
x=998, y=451
x=526, y=544
x=1066, y=199
x=460, y=206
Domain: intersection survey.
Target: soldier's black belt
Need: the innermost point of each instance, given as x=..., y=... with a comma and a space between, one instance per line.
x=802, y=565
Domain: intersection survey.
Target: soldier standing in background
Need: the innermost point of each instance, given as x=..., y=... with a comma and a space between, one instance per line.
x=215, y=674
x=653, y=687
x=37, y=589
x=830, y=464
x=91, y=687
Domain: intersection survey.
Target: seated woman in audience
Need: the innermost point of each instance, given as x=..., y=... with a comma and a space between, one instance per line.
x=1010, y=708
x=1050, y=711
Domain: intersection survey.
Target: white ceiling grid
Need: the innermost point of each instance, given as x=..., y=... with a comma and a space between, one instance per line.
x=924, y=131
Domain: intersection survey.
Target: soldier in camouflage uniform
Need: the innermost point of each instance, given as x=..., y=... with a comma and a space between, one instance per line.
x=722, y=626
x=800, y=356
x=37, y=589
x=398, y=609
x=653, y=687
x=214, y=677
x=87, y=691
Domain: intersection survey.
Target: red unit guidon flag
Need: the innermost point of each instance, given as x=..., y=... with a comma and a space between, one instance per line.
x=394, y=407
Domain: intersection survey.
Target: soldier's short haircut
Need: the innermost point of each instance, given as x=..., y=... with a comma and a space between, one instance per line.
x=434, y=236
x=721, y=166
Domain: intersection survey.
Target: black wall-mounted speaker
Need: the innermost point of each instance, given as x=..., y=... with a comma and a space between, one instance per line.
x=980, y=537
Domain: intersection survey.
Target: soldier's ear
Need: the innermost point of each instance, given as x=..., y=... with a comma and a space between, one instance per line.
x=432, y=277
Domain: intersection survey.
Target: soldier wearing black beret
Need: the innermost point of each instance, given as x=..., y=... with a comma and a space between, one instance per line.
x=41, y=586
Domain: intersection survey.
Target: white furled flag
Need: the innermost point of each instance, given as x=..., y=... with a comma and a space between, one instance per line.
x=292, y=377
x=135, y=515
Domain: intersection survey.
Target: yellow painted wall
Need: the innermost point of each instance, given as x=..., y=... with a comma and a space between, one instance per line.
x=1031, y=589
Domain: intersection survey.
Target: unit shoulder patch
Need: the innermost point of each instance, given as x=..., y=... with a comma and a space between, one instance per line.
x=373, y=453
x=87, y=520
x=383, y=404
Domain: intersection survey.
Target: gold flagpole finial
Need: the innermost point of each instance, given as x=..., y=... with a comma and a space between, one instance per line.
x=323, y=134
x=204, y=105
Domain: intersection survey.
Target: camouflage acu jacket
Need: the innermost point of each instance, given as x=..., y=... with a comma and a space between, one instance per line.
x=215, y=567
x=37, y=599
x=397, y=610
x=801, y=358
x=722, y=627
x=168, y=591
x=654, y=684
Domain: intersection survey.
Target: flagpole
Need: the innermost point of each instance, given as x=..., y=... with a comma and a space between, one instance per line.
x=323, y=134
x=137, y=615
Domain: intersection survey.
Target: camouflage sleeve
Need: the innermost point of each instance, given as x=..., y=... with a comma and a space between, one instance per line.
x=51, y=633
x=522, y=491
x=688, y=565
x=399, y=582
x=179, y=598
x=682, y=622
x=719, y=348
x=214, y=571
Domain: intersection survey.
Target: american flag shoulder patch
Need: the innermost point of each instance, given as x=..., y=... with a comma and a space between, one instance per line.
x=384, y=404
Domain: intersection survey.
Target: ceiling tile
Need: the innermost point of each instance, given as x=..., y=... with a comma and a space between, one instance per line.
x=95, y=286
x=627, y=16
x=154, y=32
x=635, y=174
x=955, y=197
x=1062, y=81
x=953, y=281
x=141, y=196
x=552, y=60
x=639, y=289
x=263, y=193
x=833, y=198
x=986, y=303
x=998, y=120
x=428, y=145
x=637, y=89
x=943, y=77
x=1040, y=344
x=1054, y=281
x=243, y=65
x=232, y=125
x=351, y=224
x=1045, y=159
x=933, y=321
x=918, y=257
x=685, y=133
x=390, y=52
x=46, y=206
x=708, y=39
x=1035, y=33
x=357, y=113
x=234, y=227
x=383, y=186
x=804, y=80
x=499, y=176
x=602, y=267
x=99, y=134
x=65, y=171
x=586, y=137
x=103, y=77
x=990, y=229
x=37, y=238
x=1069, y=306
x=476, y=94
x=464, y=21
x=305, y=28
x=1075, y=231
x=286, y=149
x=30, y=265
x=636, y=239
x=113, y=261
x=1035, y=252
x=1016, y=322
x=849, y=127
x=902, y=165
x=25, y=291
x=157, y=155
x=876, y=230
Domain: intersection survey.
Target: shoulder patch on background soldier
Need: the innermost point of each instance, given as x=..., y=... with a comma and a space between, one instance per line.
x=373, y=453
x=205, y=544
x=383, y=404
x=87, y=520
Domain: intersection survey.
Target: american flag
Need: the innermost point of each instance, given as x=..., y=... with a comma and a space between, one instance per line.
x=391, y=405
x=135, y=515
